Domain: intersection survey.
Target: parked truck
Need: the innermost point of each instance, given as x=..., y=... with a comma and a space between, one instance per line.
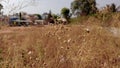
x=15, y=21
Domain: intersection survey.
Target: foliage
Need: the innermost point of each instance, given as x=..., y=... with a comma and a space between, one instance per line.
x=49, y=15
x=74, y=6
x=104, y=20
x=38, y=15
x=1, y=7
x=65, y=12
x=55, y=16
x=85, y=6
x=113, y=8
x=79, y=20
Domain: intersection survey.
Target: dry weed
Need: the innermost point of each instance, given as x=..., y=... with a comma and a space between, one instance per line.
x=59, y=47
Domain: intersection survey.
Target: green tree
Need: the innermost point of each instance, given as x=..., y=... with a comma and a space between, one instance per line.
x=85, y=6
x=1, y=7
x=93, y=8
x=50, y=14
x=39, y=16
x=75, y=5
x=55, y=16
x=113, y=8
x=65, y=13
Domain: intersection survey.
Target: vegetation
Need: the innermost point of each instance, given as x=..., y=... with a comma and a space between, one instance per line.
x=39, y=16
x=1, y=7
x=65, y=12
x=85, y=6
x=55, y=16
x=113, y=8
x=92, y=42
x=59, y=46
x=104, y=20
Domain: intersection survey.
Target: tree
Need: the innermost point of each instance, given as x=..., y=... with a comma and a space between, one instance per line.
x=84, y=6
x=93, y=8
x=1, y=7
x=55, y=16
x=50, y=14
x=39, y=16
x=75, y=6
x=113, y=8
x=65, y=13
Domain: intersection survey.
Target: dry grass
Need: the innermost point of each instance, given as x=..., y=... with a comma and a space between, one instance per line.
x=105, y=20
x=87, y=45
x=59, y=47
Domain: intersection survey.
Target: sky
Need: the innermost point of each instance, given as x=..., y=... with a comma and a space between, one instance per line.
x=102, y=3
x=41, y=6
x=45, y=5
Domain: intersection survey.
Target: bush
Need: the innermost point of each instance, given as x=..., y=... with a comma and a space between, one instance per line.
x=65, y=12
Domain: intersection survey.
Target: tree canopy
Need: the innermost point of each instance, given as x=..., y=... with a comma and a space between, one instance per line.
x=1, y=7
x=113, y=8
x=85, y=6
x=65, y=12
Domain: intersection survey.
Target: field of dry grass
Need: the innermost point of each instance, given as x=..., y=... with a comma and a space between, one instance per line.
x=59, y=46
x=105, y=20
x=93, y=42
